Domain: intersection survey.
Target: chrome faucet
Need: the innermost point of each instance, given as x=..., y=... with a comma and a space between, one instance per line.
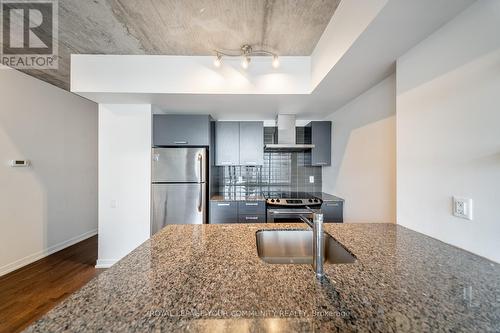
x=318, y=240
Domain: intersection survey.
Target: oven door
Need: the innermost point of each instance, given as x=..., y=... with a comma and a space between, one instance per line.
x=286, y=215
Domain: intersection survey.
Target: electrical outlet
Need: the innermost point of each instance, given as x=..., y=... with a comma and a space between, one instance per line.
x=311, y=179
x=113, y=204
x=19, y=163
x=462, y=208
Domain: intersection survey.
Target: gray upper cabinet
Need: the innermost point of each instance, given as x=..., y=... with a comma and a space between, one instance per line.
x=181, y=130
x=252, y=143
x=239, y=143
x=321, y=136
x=227, y=143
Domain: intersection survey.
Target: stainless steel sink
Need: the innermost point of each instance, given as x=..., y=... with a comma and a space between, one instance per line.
x=296, y=247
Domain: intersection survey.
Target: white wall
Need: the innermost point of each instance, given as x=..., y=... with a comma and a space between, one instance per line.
x=448, y=131
x=159, y=74
x=363, y=170
x=124, y=179
x=346, y=25
x=53, y=203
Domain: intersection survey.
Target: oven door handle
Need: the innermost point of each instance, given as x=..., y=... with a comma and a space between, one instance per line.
x=289, y=212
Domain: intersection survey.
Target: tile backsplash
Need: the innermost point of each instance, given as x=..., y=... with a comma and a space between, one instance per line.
x=290, y=172
x=282, y=172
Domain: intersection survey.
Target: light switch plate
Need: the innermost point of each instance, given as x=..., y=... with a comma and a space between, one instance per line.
x=311, y=179
x=462, y=208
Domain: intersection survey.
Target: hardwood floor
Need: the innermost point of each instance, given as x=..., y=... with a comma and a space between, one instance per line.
x=29, y=292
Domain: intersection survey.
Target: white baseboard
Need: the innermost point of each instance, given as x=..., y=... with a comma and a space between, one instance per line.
x=105, y=263
x=44, y=253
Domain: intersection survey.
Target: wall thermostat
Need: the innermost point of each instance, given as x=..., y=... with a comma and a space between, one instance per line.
x=19, y=163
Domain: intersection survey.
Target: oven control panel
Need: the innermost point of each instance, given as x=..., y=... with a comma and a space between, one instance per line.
x=293, y=202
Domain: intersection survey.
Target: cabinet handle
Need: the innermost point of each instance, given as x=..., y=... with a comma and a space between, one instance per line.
x=181, y=142
x=321, y=163
x=332, y=205
x=223, y=204
x=251, y=217
x=251, y=204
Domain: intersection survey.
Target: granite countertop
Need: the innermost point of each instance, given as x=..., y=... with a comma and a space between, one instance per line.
x=203, y=278
x=326, y=197
x=259, y=197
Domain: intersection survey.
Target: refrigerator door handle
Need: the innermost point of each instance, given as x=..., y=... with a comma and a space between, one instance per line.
x=200, y=161
x=200, y=198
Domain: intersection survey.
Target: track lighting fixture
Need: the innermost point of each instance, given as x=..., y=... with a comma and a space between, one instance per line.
x=245, y=52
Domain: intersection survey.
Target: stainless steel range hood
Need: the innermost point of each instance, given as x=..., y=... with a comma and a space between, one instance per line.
x=287, y=135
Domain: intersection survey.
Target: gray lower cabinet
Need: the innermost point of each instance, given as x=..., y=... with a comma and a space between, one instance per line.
x=252, y=211
x=247, y=218
x=333, y=211
x=223, y=212
x=252, y=207
x=181, y=130
x=227, y=143
x=252, y=143
x=320, y=134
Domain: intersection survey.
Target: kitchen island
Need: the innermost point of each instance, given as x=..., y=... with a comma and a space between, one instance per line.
x=205, y=278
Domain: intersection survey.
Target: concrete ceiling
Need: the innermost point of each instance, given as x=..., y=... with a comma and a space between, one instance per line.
x=184, y=27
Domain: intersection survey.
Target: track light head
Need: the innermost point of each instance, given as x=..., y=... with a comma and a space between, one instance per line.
x=276, y=61
x=245, y=62
x=218, y=60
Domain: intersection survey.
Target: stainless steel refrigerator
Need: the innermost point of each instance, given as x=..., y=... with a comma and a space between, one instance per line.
x=179, y=189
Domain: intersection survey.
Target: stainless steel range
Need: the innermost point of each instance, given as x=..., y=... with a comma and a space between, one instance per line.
x=287, y=207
